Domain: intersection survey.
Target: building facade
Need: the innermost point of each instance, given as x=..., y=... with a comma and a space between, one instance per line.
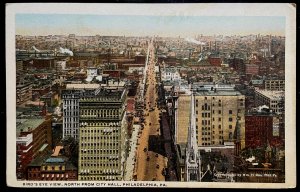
x=258, y=129
x=23, y=93
x=34, y=138
x=102, y=136
x=216, y=116
x=71, y=96
x=275, y=84
x=51, y=169
x=272, y=99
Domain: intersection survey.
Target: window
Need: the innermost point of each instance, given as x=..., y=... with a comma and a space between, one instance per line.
x=219, y=111
x=230, y=111
x=230, y=126
x=219, y=118
x=230, y=119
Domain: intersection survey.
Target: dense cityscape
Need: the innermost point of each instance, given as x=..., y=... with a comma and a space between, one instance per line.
x=150, y=108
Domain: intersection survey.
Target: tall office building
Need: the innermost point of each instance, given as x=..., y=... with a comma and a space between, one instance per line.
x=217, y=109
x=71, y=98
x=102, y=134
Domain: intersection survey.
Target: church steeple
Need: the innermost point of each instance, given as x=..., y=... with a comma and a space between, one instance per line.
x=193, y=162
x=237, y=137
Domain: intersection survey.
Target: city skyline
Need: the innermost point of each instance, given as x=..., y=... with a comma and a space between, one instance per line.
x=129, y=25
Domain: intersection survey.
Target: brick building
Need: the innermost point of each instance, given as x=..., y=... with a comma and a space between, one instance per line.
x=52, y=169
x=215, y=61
x=258, y=129
x=33, y=139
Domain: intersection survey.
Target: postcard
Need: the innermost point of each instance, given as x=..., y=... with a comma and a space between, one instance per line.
x=151, y=95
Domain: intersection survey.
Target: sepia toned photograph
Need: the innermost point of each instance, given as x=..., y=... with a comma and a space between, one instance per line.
x=151, y=95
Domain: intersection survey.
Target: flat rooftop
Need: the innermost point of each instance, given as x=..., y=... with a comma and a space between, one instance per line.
x=82, y=86
x=26, y=124
x=218, y=93
x=271, y=94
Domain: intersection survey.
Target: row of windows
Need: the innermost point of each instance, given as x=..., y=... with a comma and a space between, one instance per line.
x=71, y=113
x=111, y=151
x=95, y=178
x=99, y=138
x=99, y=144
x=205, y=133
x=71, y=120
x=97, y=130
x=206, y=143
x=99, y=112
x=69, y=132
x=205, y=98
x=219, y=126
x=99, y=158
x=110, y=164
x=111, y=124
x=205, y=114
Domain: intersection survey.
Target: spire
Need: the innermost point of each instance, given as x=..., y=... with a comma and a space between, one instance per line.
x=192, y=164
x=237, y=131
x=192, y=142
x=237, y=137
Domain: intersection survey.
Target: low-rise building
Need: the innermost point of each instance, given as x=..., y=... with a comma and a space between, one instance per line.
x=52, y=169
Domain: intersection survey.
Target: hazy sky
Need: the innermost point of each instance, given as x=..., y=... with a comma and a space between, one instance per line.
x=64, y=24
